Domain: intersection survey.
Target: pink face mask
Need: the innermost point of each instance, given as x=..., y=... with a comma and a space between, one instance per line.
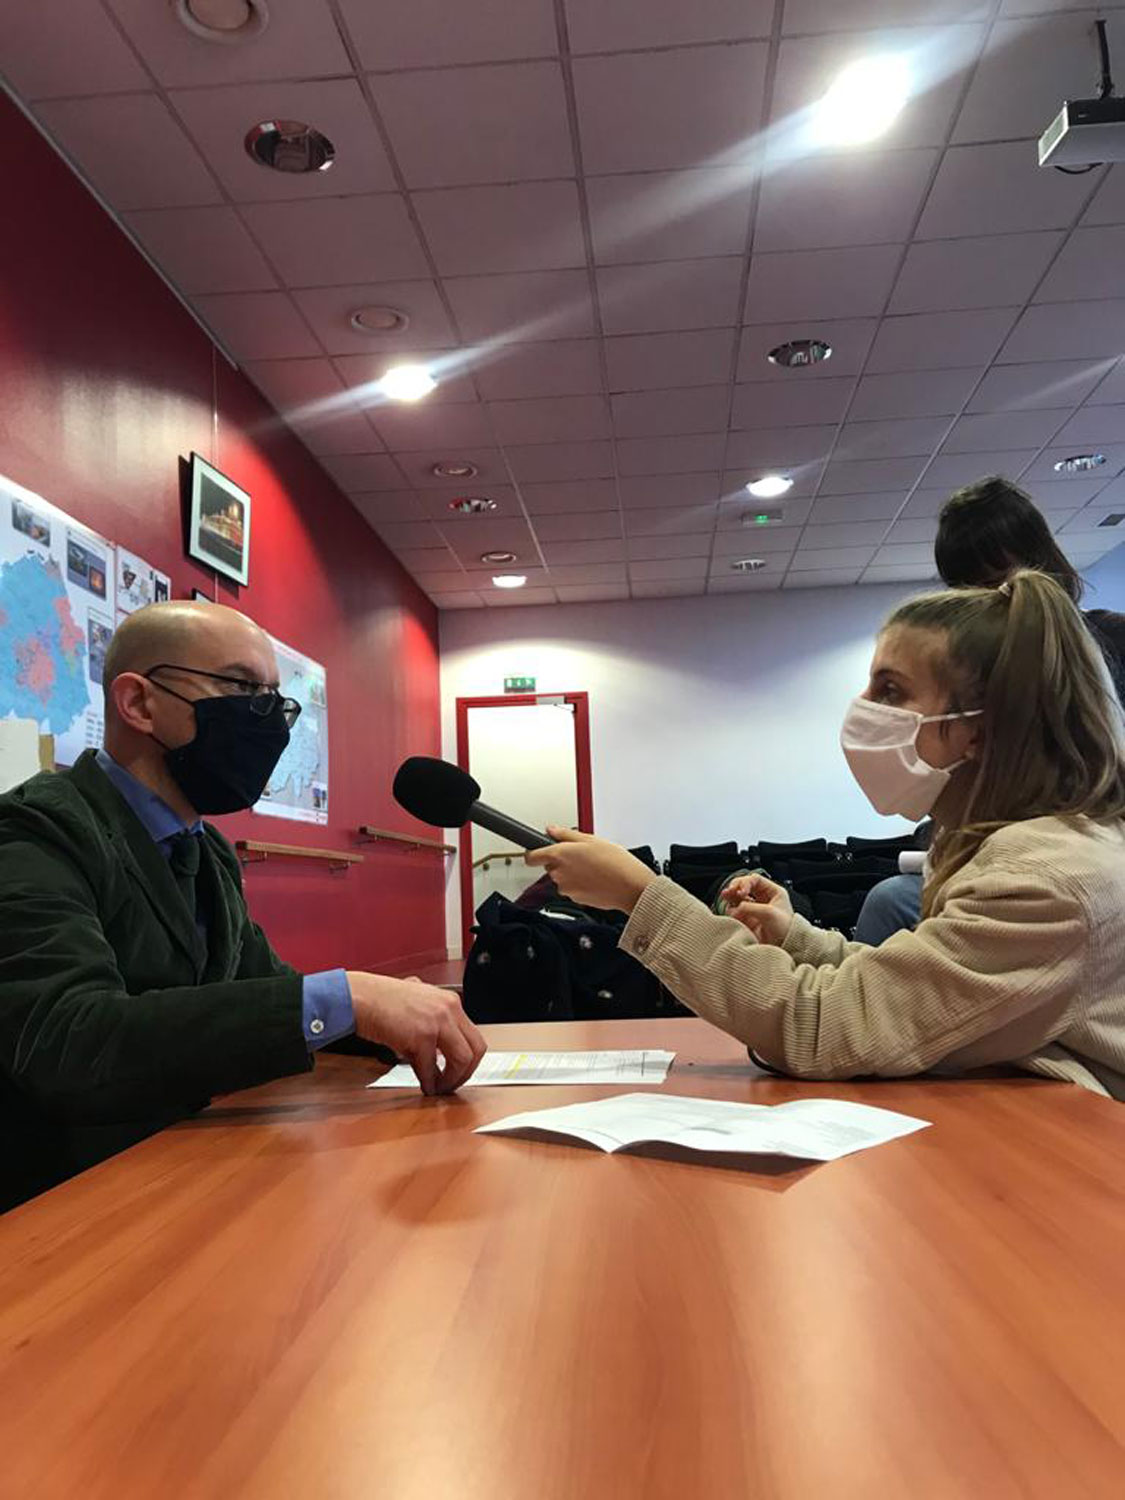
x=880, y=744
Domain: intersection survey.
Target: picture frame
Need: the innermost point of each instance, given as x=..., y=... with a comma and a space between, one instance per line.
x=219, y=521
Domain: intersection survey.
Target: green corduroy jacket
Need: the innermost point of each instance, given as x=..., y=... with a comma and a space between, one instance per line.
x=116, y=1018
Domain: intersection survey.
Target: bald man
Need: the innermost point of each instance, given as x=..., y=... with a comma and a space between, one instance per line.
x=133, y=984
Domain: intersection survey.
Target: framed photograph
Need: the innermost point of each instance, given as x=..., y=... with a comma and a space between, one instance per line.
x=219, y=523
x=201, y=596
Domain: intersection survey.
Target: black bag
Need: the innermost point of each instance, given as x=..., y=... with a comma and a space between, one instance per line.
x=560, y=963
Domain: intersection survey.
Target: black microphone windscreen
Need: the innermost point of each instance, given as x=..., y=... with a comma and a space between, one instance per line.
x=434, y=791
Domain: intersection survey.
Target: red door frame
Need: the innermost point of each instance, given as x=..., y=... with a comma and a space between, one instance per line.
x=583, y=777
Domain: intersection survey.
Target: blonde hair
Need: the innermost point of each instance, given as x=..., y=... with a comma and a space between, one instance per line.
x=1051, y=741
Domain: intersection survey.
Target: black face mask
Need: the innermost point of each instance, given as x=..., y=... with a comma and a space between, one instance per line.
x=227, y=766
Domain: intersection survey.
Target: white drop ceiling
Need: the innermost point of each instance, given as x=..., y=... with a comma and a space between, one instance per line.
x=594, y=214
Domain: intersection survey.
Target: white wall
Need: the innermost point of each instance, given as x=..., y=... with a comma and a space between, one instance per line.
x=710, y=718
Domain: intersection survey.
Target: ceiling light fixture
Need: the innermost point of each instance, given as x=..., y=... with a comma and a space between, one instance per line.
x=451, y=468
x=473, y=505
x=761, y=517
x=229, y=22
x=863, y=102
x=1115, y=518
x=796, y=354
x=500, y=558
x=509, y=580
x=379, y=320
x=1080, y=463
x=289, y=146
x=770, y=486
x=407, y=383
x=748, y=565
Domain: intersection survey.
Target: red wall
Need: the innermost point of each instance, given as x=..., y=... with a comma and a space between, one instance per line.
x=105, y=383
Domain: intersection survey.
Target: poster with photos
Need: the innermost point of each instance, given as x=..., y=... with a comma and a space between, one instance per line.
x=138, y=584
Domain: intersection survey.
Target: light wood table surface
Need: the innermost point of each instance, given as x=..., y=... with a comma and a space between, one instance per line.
x=315, y=1292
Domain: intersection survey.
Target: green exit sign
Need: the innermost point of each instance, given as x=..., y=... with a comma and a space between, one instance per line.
x=519, y=684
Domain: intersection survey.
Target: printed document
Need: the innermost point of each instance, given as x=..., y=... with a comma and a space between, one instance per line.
x=551, y=1067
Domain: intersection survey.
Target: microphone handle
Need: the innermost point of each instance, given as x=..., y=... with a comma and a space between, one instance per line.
x=507, y=828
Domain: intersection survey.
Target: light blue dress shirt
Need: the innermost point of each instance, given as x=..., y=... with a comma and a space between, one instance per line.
x=326, y=1000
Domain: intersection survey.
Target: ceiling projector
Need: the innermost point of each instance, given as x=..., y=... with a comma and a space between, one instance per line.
x=1087, y=132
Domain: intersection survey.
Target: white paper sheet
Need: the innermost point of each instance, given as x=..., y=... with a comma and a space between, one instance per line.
x=810, y=1129
x=19, y=751
x=551, y=1067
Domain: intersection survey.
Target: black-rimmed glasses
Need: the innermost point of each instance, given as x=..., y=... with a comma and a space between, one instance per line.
x=263, y=698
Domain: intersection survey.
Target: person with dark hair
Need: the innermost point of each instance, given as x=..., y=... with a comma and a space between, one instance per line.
x=992, y=710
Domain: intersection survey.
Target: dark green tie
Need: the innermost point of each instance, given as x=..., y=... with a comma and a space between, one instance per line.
x=183, y=861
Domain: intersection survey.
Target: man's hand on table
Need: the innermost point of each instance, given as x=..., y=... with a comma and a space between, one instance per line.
x=418, y=1021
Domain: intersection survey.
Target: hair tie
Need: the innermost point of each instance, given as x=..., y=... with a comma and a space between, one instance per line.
x=1005, y=588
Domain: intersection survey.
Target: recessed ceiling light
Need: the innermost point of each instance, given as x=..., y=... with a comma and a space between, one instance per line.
x=796, y=354
x=226, y=21
x=289, y=146
x=509, y=580
x=450, y=468
x=748, y=565
x=472, y=505
x=770, y=486
x=863, y=102
x=379, y=320
x=500, y=558
x=1080, y=463
x=407, y=383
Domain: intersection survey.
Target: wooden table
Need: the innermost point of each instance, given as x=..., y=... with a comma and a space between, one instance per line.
x=314, y=1291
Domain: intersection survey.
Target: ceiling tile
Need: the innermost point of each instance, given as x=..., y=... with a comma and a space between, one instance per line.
x=659, y=361
x=685, y=544
x=531, y=305
x=426, y=114
x=742, y=583
x=355, y=473
x=906, y=554
x=257, y=325
x=998, y=189
x=797, y=403
x=953, y=469
x=990, y=432
x=132, y=150
x=429, y=33
x=413, y=427
x=338, y=241
x=218, y=120
x=1034, y=386
x=469, y=542
x=589, y=573
x=544, y=461
x=850, y=282
x=489, y=462
x=902, y=437
x=1092, y=264
x=1093, y=425
x=845, y=534
x=412, y=536
x=461, y=600
x=551, y=419
x=427, y=560
x=927, y=503
x=701, y=408
x=826, y=579
x=922, y=529
x=939, y=341
x=594, y=551
x=1062, y=493
x=809, y=65
x=787, y=448
x=670, y=294
x=523, y=226
x=303, y=387
x=900, y=573
x=670, y=455
x=328, y=310
x=683, y=588
x=853, y=478
x=1067, y=330
x=920, y=393
x=830, y=558
x=991, y=270
x=202, y=249
x=655, y=491
x=1049, y=7
x=444, y=583
x=621, y=25
x=751, y=541
x=1044, y=466
x=569, y=497
x=38, y=67
x=520, y=598
x=668, y=567
x=382, y=506
x=822, y=201
x=841, y=15
x=335, y=432
x=1112, y=388
x=863, y=507
x=579, y=526
x=1028, y=69
x=850, y=339
x=643, y=111
x=300, y=40
x=669, y=215
x=692, y=520
x=566, y=367
x=1086, y=521
x=1108, y=206
x=593, y=593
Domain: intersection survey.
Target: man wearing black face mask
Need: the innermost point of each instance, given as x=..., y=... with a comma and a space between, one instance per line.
x=133, y=984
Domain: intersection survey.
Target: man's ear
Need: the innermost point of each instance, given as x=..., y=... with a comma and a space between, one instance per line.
x=131, y=697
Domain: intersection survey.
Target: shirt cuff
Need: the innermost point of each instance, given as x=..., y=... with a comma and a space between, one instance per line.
x=326, y=1008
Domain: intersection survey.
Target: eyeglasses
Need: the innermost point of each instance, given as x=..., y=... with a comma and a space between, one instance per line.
x=263, y=698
